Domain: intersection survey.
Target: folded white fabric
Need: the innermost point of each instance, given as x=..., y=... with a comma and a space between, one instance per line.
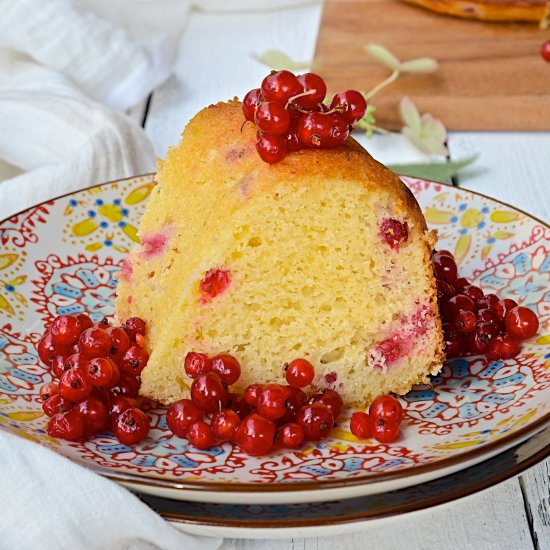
x=68, y=70
x=50, y=503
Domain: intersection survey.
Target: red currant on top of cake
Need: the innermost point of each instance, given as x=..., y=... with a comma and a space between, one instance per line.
x=271, y=236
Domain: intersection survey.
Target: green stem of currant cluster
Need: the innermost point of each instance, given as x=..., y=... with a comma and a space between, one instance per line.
x=392, y=78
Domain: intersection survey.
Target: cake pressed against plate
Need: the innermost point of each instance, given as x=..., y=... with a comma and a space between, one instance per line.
x=324, y=255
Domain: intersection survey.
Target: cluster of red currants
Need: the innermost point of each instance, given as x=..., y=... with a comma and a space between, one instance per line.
x=290, y=114
x=95, y=369
x=475, y=323
x=263, y=418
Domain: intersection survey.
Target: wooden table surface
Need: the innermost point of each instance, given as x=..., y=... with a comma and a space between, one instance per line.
x=215, y=62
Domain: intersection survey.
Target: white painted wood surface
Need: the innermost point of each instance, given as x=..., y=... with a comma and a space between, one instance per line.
x=215, y=63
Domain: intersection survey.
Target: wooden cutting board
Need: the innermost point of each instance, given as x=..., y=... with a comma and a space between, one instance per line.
x=491, y=75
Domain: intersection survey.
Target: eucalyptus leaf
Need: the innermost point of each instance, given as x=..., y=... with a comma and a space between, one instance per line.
x=421, y=65
x=279, y=60
x=433, y=171
x=383, y=56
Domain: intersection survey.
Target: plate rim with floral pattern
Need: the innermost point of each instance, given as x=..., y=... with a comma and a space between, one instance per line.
x=473, y=480
x=179, y=487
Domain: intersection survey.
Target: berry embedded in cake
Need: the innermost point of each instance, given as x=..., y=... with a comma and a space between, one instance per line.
x=323, y=255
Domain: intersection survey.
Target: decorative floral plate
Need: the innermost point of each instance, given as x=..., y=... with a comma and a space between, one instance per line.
x=342, y=516
x=61, y=257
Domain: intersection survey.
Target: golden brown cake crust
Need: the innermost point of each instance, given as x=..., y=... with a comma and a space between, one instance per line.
x=349, y=161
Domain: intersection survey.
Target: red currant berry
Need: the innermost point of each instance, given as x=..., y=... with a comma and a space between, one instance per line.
x=58, y=366
x=319, y=130
x=292, y=139
x=75, y=361
x=488, y=301
x=196, y=364
x=329, y=398
x=521, y=323
x=94, y=413
x=126, y=385
x=134, y=326
x=120, y=342
x=473, y=292
x=100, y=371
x=290, y=436
x=361, y=425
x=74, y=385
x=65, y=330
x=225, y=424
x=208, y=392
x=47, y=390
x=295, y=400
x=352, y=105
x=316, y=420
x=215, y=281
x=280, y=86
x=226, y=367
x=384, y=431
x=181, y=415
x=460, y=283
x=394, y=232
x=444, y=253
x=116, y=376
x=502, y=307
x=478, y=341
x=48, y=350
x=454, y=343
x=272, y=118
x=459, y=302
x=486, y=315
x=272, y=401
x=299, y=373
x=68, y=425
x=445, y=291
x=134, y=360
x=387, y=408
x=314, y=84
x=251, y=394
x=242, y=408
x=250, y=102
x=85, y=321
x=94, y=342
x=56, y=404
x=201, y=436
x=255, y=435
x=465, y=321
x=502, y=347
x=445, y=268
x=271, y=148
x=119, y=404
x=131, y=426
x=545, y=51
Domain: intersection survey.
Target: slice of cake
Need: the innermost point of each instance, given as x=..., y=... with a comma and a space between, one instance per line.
x=324, y=255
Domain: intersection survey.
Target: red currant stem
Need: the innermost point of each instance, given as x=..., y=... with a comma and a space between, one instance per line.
x=374, y=128
x=244, y=123
x=291, y=100
x=371, y=93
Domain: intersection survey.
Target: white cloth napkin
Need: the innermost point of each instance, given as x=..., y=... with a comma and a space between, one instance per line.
x=51, y=503
x=68, y=71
